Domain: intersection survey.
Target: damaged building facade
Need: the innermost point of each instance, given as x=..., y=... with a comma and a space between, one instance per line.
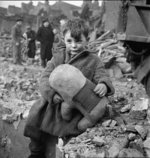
x=32, y=15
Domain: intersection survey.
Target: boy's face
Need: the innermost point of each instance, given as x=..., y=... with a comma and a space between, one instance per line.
x=72, y=44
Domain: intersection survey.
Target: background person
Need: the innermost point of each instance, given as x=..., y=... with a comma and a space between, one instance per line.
x=16, y=41
x=46, y=37
x=30, y=36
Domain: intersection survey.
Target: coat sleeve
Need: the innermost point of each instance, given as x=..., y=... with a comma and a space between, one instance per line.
x=101, y=76
x=46, y=91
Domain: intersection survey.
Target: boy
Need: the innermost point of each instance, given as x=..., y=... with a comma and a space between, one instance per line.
x=45, y=123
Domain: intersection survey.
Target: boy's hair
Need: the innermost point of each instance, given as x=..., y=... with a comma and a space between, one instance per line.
x=76, y=27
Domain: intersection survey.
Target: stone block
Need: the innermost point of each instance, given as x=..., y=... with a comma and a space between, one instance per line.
x=128, y=153
x=139, y=110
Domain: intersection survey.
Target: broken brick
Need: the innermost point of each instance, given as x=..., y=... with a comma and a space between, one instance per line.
x=128, y=153
x=142, y=131
x=139, y=110
x=106, y=123
x=147, y=143
x=132, y=136
x=99, y=141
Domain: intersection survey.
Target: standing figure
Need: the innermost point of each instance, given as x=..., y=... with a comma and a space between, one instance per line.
x=30, y=36
x=46, y=37
x=16, y=41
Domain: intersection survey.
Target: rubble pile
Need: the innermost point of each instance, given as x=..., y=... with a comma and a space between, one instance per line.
x=6, y=46
x=109, y=140
x=126, y=134
x=112, y=53
x=19, y=89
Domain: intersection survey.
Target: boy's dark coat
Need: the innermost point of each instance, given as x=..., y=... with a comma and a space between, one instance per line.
x=46, y=116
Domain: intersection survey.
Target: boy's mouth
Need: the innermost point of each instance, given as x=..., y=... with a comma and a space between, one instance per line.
x=75, y=51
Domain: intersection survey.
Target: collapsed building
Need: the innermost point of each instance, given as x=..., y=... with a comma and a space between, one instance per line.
x=32, y=15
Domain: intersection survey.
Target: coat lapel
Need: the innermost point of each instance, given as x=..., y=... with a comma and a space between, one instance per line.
x=70, y=61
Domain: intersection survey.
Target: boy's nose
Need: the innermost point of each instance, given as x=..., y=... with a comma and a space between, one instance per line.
x=74, y=44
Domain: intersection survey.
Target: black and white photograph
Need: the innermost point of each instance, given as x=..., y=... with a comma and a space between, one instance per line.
x=75, y=79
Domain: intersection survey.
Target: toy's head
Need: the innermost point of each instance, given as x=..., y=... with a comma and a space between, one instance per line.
x=67, y=80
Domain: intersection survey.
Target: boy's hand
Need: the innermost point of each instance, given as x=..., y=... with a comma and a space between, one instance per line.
x=101, y=89
x=57, y=99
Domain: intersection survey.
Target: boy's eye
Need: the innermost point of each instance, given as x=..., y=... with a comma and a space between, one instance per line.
x=79, y=41
x=69, y=40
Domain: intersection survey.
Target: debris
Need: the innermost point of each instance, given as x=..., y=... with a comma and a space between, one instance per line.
x=113, y=123
x=60, y=143
x=99, y=141
x=91, y=155
x=126, y=108
x=10, y=118
x=130, y=128
x=139, y=110
x=111, y=52
x=6, y=143
x=128, y=153
x=142, y=131
x=148, y=115
x=141, y=104
x=116, y=147
x=137, y=144
x=147, y=151
x=116, y=71
x=114, y=150
x=106, y=123
x=147, y=143
x=132, y=136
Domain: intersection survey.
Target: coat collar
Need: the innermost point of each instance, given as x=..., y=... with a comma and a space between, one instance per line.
x=84, y=52
x=62, y=56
